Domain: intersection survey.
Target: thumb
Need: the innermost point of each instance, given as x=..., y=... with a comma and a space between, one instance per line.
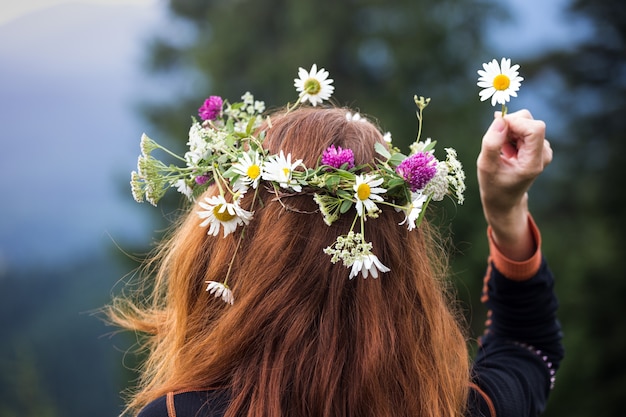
x=494, y=140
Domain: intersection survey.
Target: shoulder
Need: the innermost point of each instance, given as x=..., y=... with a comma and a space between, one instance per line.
x=189, y=403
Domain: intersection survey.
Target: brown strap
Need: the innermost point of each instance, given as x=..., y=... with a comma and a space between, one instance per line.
x=171, y=410
x=492, y=409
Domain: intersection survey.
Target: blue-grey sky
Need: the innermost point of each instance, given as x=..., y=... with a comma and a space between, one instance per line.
x=70, y=78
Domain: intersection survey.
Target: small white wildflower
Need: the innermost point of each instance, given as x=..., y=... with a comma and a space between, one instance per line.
x=329, y=207
x=247, y=98
x=136, y=187
x=221, y=290
x=198, y=143
x=437, y=187
x=147, y=145
x=356, y=254
x=259, y=106
x=456, y=175
x=387, y=137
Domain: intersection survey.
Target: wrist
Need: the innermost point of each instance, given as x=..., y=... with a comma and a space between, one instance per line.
x=511, y=231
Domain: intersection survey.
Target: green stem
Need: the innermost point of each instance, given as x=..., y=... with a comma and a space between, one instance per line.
x=419, y=125
x=232, y=261
x=164, y=149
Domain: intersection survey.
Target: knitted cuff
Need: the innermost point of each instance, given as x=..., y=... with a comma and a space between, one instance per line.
x=517, y=270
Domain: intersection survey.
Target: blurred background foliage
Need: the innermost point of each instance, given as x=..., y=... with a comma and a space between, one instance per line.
x=380, y=54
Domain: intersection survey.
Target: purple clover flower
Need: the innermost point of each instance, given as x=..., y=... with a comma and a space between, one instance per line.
x=211, y=108
x=336, y=157
x=418, y=169
x=201, y=179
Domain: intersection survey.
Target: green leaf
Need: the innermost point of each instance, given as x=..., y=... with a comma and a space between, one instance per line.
x=395, y=182
x=430, y=146
x=229, y=173
x=381, y=150
x=343, y=194
x=396, y=159
x=332, y=181
x=345, y=206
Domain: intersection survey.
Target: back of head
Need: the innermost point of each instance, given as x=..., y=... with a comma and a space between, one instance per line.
x=302, y=338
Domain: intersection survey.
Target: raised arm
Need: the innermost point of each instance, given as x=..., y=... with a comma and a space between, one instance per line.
x=521, y=348
x=514, y=152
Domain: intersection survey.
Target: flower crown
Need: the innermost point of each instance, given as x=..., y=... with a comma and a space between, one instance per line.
x=225, y=148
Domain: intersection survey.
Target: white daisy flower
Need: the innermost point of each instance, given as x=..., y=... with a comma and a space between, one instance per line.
x=279, y=169
x=366, y=264
x=314, y=85
x=184, y=188
x=221, y=290
x=366, y=192
x=249, y=168
x=500, y=82
x=217, y=211
x=413, y=209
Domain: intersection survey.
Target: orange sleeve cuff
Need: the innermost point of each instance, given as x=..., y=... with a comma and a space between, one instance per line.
x=517, y=270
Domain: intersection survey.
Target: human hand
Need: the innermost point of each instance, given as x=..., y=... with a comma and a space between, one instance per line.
x=514, y=152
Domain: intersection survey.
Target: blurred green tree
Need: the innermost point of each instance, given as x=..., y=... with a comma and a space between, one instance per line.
x=585, y=222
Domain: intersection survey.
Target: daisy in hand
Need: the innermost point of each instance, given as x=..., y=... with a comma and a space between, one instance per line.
x=314, y=85
x=499, y=81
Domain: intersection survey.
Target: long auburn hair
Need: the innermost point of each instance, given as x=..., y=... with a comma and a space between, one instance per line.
x=301, y=338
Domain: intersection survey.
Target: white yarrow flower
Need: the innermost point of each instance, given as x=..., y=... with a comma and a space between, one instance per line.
x=456, y=175
x=198, y=143
x=221, y=290
x=314, y=85
x=279, y=169
x=218, y=212
x=366, y=191
x=437, y=187
x=499, y=81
